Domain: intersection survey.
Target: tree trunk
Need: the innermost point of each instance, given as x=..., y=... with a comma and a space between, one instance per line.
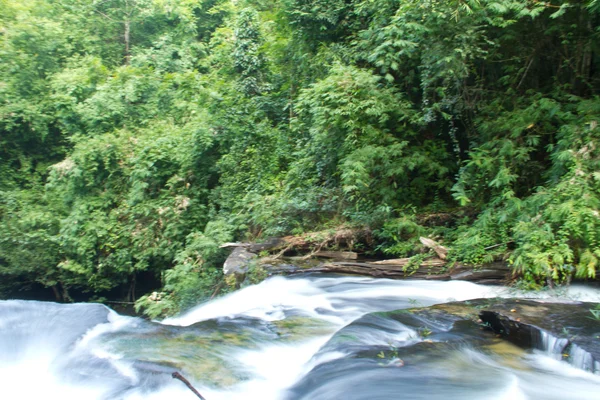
x=131, y=291
x=126, y=37
x=56, y=291
x=65, y=294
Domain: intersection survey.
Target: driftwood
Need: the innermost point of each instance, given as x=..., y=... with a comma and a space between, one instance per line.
x=230, y=245
x=441, y=251
x=310, y=245
x=400, y=268
x=177, y=375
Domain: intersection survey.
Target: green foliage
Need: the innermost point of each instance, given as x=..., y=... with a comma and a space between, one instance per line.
x=554, y=229
x=255, y=274
x=563, y=218
x=318, y=21
x=392, y=355
x=29, y=245
x=484, y=241
x=247, y=58
x=196, y=275
x=136, y=136
x=595, y=312
x=424, y=332
x=359, y=134
x=400, y=236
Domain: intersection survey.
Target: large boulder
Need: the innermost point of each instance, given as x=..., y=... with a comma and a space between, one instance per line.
x=238, y=261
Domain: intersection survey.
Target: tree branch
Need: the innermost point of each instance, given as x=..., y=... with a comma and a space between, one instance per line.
x=177, y=375
x=526, y=71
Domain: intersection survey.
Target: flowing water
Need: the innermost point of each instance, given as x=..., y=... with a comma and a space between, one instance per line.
x=287, y=338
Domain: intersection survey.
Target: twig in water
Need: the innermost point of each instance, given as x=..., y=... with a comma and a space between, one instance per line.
x=177, y=375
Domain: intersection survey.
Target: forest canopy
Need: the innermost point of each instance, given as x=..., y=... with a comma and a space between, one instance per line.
x=136, y=136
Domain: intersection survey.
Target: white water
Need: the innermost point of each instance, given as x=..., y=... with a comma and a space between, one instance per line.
x=61, y=352
x=346, y=298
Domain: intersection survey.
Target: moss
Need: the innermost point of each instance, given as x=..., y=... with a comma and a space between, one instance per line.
x=299, y=327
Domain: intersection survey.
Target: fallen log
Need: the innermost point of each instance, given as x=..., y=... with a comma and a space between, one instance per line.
x=429, y=269
x=402, y=262
x=396, y=262
x=342, y=255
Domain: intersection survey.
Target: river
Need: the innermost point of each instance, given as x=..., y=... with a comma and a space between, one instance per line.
x=295, y=338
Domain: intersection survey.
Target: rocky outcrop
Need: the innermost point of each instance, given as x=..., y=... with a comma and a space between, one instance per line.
x=566, y=330
x=446, y=352
x=238, y=260
x=492, y=273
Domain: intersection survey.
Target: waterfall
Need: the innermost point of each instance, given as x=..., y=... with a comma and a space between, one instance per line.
x=283, y=339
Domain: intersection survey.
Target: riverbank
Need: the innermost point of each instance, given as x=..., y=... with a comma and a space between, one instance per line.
x=335, y=251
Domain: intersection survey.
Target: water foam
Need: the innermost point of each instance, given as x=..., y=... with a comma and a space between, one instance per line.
x=49, y=343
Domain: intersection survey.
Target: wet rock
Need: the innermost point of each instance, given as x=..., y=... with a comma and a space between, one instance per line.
x=199, y=351
x=267, y=245
x=406, y=353
x=567, y=330
x=446, y=352
x=237, y=262
x=493, y=273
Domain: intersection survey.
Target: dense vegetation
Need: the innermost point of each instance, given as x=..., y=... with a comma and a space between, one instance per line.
x=138, y=135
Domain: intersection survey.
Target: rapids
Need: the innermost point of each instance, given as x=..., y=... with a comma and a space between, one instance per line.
x=285, y=338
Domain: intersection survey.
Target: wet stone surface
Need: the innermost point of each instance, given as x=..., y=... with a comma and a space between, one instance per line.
x=567, y=330
x=453, y=345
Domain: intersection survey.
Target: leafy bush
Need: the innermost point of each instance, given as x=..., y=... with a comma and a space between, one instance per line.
x=196, y=276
